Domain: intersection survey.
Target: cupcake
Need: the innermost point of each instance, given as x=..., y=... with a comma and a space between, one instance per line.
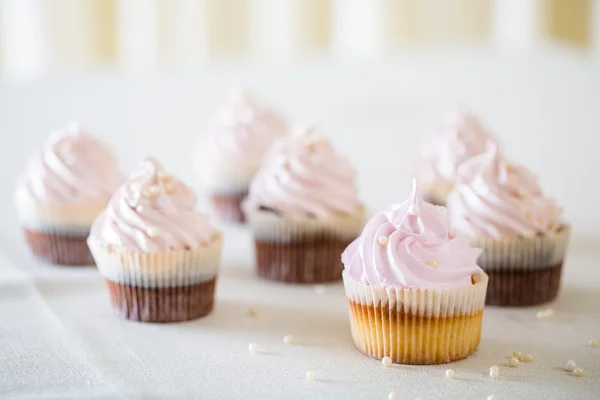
x=232, y=151
x=459, y=137
x=66, y=184
x=158, y=254
x=501, y=207
x=414, y=289
x=303, y=210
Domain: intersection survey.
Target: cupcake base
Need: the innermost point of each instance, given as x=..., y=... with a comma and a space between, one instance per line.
x=521, y=288
x=412, y=339
x=69, y=250
x=228, y=207
x=170, y=304
x=312, y=260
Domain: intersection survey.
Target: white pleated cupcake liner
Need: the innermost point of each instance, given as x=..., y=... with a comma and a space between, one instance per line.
x=416, y=326
x=538, y=252
x=168, y=269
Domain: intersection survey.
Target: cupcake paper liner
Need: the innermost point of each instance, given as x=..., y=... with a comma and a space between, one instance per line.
x=228, y=206
x=59, y=246
x=301, y=250
x=524, y=271
x=169, y=286
x=416, y=326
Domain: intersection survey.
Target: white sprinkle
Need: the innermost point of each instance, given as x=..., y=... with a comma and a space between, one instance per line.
x=578, y=371
x=382, y=240
x=311, y=375
x=152, y=231
x=392, y=396
x=288, y=339
x=593, y=343
x=545, y=313
x=453, y=233
x=450, y=373
x=319, y=289
x=386, y=361
x=413, y=209
x=517, y=354
x=494, y=372
x=522, y=193
x=252, y=312
x=570, y=365
x=253, y=348
x=513, y=362
x=432, y=263
x=154, y=190
x=527, y=358
x=136, y=187
x=491, y=397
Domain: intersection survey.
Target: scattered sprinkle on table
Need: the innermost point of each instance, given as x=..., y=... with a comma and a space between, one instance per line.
x=386, y=361
x=311, y=375
x=526, y=358
x=578, y=371
x=251, y=312
x=253, y=348
x=570, y=365
x=513, y=362
x=450, y=373
x=545, y=313
x=494, y=372
x=289, y=339
x=593, y=343
x=319, y=289
x=392, y=396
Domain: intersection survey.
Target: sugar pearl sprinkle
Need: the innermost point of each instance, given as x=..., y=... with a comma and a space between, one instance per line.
x=253, y=348
x=289, y=339
x=432, y=263
x=319, y=289
x=593, y=343
x=413, y=209
x=311, y=375
x=570, y=365
x=393, y=396
x=526, y=358
x=492, y=397
x=453, y=233
x=513, y=362
x=450, y=373
x=152, y=231
x=578, y=371
x=494, y=372
x=517, y=354
x=545, y=313
x=386, y=361
x=382, y=240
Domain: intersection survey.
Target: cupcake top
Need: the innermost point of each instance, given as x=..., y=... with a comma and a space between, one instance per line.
x=411, y=245
x=152, y=212
x=459, y=137
x=303, y=176
x=493, y=198
x=238, y=138
x=71, y=168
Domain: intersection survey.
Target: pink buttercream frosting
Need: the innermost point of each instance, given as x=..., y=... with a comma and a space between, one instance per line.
x=303, y=175
x=459, y=137
x=71, y=168
x=495, y=199
x=411, y=245
x=153, y=211
x=239, y=136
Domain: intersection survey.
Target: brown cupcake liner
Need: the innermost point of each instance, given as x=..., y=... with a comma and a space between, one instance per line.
x=170, y=286
x=315, y=260
x=228, y=207
x=59, y=248
x=524, y=271
x=416, y=326
x=169, y=304
x=301, y=249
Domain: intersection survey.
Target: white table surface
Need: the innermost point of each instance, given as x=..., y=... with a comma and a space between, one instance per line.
x=59, y=339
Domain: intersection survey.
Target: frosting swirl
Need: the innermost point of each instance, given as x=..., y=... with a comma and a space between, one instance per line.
x=411, y=245
x=303, y=175
x=153, y=211
x=496, y=199
x=237, y=139
x=71, y=168
x=459, y=137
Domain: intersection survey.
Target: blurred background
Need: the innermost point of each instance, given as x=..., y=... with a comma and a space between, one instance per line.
x=147, y=75
x=42, y=36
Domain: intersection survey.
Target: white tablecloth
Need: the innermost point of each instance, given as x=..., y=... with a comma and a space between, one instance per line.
x=59, y=338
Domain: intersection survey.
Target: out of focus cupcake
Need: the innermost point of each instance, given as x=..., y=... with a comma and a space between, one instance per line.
x=414, y=289
x=501, y=207
x=158, y=254
x=231, y=152
x=303, y=210
x=459, y=137
x=66, y=184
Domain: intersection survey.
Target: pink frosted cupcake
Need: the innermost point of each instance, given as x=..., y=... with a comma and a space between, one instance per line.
x=232, y=151
x=158, y=254
x=414, y=289
x=459, y=137
x=501, y=207
x=65, y=186
x=303, y=210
